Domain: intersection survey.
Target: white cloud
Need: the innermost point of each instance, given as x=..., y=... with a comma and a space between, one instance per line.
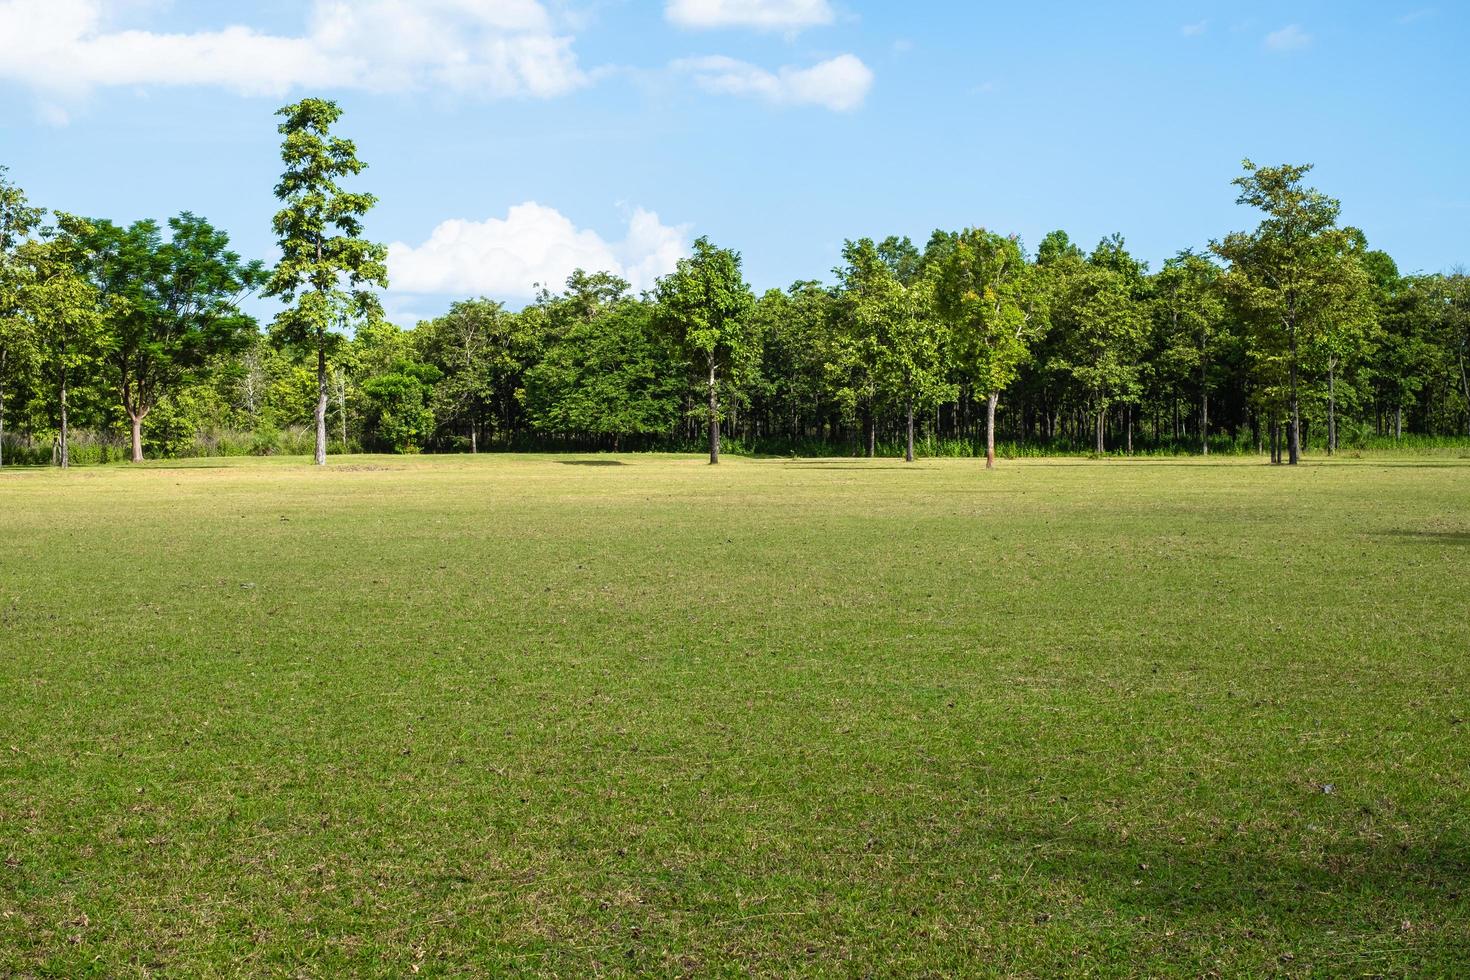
x=1195, y=29
x=784, y=15
x=840, y=83
x=66, y=48
x=1289, y=38
x=506, y=257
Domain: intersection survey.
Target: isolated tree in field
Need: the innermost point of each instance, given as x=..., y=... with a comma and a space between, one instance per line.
x=1294, y=275
x=174, y=306
x=706, y=306
x=18, y=221
x=327, y=268
x=1189, y=308
x=63, y=313
x=988, y=294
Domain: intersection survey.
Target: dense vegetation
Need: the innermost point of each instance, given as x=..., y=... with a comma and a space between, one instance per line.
x=1296, y=333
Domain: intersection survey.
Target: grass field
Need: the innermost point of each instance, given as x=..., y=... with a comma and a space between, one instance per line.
x=641, y=715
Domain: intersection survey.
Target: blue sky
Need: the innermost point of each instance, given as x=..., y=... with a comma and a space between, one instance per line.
x=509, y=139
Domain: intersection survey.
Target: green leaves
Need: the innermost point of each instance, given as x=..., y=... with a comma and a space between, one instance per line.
x=705, y=304
x=994, y=304
x=326, y=269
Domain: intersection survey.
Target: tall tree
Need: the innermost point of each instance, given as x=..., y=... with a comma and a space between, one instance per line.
x=1103, y=326
x=1294, y=275
x=461, y=345
x=1453, y=308
x=988, y=294
x=1189, y=311
x=795, y=330
x=706, y=305
x=18, y=221
x=64, y=314
x=908, y=340
x=175, y=306
x=327, y=269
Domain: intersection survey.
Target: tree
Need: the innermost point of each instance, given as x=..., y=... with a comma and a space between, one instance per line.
x=63, y=313
x=1104, y=327
x=327, y=267
x=1452, y=304
x=18, y=220
x=705, y=304
x=608, y=376
x=907, y=343
x=175, y=306
x=1189, y=309
x=399, y=404
x=459, y=344
x=987, y=292
x=1294, y=275
x=795, y=330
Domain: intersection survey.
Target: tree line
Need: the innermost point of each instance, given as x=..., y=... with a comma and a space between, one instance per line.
x=1267, y=340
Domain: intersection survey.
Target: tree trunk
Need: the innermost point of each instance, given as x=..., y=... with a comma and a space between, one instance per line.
x=1465, y=387
x=1204, y=423
x=1294, y=437
x=64, y=459
x=1101, y=423
x=990, y=430
x=908, y=456
x=2, y=419
x=342, y=405
x=1331, y=408
x=1398, y=422
x=137, y=419
x=321, y=407
x=870, y=431
x=1128, y=414
x=714, y=415
x=474, y=437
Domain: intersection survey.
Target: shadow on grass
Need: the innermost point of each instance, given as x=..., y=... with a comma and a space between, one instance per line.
x=591, y=462
x=1237, y=878
x=1448, y=537
x=857, y=466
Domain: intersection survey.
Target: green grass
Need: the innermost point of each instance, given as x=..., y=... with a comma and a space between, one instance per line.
x=641, y=715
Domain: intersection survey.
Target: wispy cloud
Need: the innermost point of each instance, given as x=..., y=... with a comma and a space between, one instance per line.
x=1289, y=38
x=1195, y=29
x=1415, y=16
x=840, y=83
x=772, y=15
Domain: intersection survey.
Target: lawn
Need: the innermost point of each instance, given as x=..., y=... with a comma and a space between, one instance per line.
x=455, y=716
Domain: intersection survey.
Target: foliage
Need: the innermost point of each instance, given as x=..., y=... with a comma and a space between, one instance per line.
x=327, y=268
x=173, y=306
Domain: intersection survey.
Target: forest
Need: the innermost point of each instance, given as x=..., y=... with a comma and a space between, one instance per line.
x=132, y=340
